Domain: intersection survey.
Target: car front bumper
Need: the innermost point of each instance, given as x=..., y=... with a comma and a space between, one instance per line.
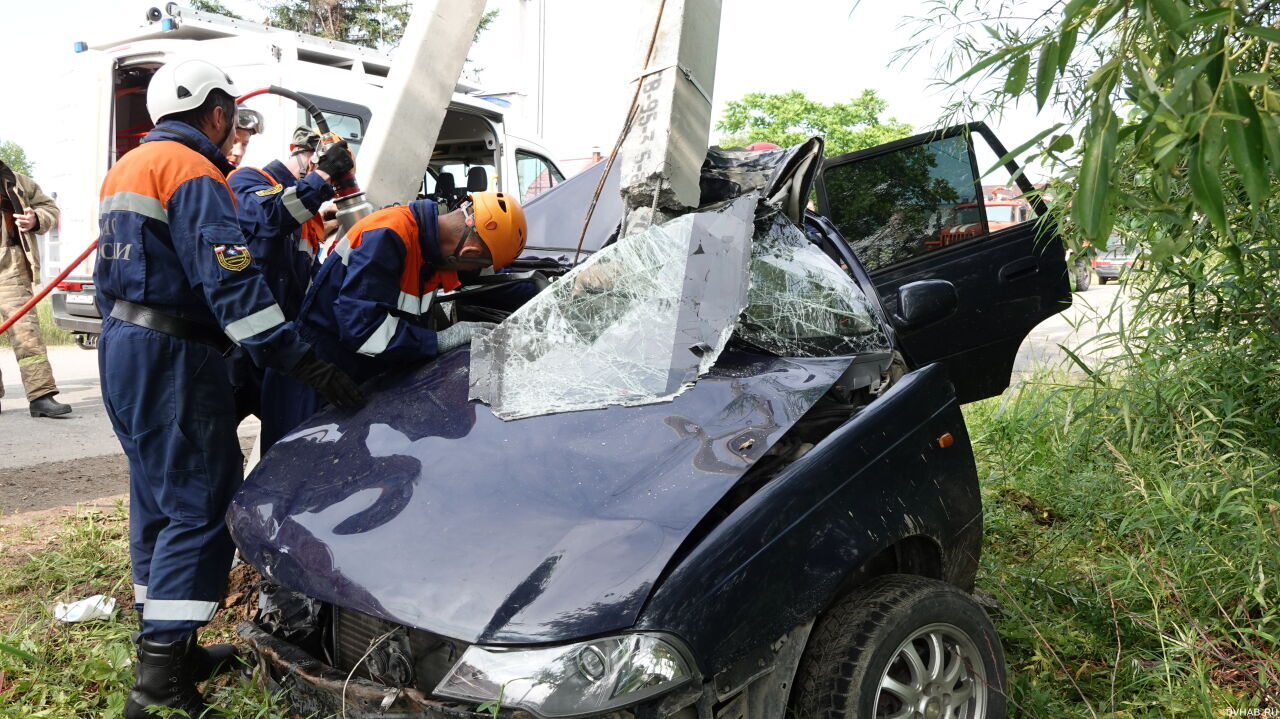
x=313, y=688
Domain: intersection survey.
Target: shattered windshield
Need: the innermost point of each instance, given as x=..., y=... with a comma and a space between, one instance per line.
x=642, y=319
x=801, y=303
x=634, y=324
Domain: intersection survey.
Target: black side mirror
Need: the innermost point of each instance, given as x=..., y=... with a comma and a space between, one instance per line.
x=924, y=302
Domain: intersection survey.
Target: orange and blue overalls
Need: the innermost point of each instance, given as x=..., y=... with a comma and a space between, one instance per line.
x=365, y=309
x=277, y=214
x=170, y=243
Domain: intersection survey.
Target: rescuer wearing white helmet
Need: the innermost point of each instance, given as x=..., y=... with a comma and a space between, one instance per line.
x=178, y=287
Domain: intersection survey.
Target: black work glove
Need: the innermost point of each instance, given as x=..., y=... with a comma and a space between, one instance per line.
x=332, y=383
x=337, y=161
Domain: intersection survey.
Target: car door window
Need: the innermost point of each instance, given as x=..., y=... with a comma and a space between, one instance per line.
x=536, y=175
x=901, y=204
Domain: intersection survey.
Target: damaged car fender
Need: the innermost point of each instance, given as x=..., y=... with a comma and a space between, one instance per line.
x=879, y=480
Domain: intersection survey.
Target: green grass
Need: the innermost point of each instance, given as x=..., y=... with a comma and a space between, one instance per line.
x=1136, y=555
x=53, y=335
x=69, y=671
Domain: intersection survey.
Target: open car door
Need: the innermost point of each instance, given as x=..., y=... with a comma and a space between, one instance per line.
x=914, y=210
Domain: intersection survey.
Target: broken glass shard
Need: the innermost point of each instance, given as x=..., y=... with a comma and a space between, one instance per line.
x=636, y=323
x=801, y=303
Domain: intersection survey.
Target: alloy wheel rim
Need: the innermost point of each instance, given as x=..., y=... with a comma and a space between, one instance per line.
x=936, y=673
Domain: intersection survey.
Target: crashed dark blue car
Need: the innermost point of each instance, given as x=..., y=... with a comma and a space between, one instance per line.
x=718, y=470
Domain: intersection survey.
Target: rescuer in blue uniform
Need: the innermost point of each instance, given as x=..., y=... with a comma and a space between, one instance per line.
x=279, y=208
x=368, y=308
x=177, y=284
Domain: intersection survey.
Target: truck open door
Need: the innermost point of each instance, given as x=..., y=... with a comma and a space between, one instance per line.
x=913, y=211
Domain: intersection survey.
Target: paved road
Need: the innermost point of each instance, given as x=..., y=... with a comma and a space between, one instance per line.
x=1095, y=311
x=25, y=441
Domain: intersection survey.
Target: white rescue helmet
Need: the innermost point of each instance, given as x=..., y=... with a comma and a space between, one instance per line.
x=183, y=85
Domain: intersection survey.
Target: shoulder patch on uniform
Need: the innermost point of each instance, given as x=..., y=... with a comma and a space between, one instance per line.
x=275, y=189
x=232, y=257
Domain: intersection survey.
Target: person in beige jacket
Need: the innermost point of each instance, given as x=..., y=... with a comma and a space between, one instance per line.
x=27, y=212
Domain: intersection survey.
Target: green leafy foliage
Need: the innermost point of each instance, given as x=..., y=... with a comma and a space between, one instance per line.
x=791, y=118
x=368, y=23
x=213, y=6
x=1154, y=594
x=377, y=24
x=12, y=154
x=1132, y=538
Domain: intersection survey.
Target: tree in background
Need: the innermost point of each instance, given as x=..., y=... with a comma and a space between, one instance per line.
x=15, y=157
x=377, y=24
x=213, y=6
x=1170, y=143
x=791, y=118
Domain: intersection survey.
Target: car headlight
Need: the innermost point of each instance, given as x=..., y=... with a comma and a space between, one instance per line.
x=570, y=680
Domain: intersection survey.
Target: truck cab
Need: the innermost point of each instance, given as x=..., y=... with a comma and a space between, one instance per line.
x=476, y=149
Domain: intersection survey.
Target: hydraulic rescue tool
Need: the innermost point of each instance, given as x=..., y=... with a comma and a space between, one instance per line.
x=351, y=202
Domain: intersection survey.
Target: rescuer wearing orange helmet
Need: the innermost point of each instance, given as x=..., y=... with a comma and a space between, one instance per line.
x=368, y=308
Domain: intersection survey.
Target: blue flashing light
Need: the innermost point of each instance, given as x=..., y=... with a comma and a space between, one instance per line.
x=168, y=24
x=81, y=46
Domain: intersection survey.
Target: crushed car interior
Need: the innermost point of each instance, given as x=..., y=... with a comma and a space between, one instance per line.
x=714, y=469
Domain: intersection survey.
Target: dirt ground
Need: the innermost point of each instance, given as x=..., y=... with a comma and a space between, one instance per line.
x=57, y=484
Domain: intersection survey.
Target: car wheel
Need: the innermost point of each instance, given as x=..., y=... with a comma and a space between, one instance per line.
x=86, y=341
x=902, y=647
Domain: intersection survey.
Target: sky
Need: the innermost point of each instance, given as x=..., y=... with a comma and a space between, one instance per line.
x=592, y=51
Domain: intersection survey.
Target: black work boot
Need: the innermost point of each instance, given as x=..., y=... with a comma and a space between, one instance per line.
x=164, y=680
x=213, y=660
x=47, y=406
x=208, y=662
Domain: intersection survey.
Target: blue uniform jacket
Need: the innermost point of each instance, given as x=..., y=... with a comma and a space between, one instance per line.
x=364, y=310
x=170, y=240
x=273, y=209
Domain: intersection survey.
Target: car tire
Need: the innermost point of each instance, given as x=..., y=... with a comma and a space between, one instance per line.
x=873, y=655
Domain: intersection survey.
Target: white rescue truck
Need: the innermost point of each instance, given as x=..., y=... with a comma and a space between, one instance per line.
x=106, y=85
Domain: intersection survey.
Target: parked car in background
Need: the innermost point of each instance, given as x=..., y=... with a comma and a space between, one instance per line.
x=1113, y=263
x=720, y=470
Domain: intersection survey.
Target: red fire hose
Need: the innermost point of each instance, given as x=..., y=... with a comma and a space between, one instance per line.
x=48, y=288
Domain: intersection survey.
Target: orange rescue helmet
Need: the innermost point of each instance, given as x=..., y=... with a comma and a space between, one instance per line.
x=499, y=220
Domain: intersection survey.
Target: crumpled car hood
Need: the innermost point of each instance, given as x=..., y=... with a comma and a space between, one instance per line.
x=427, y=510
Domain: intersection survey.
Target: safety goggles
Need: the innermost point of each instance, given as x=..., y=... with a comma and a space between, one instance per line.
x=250, y=120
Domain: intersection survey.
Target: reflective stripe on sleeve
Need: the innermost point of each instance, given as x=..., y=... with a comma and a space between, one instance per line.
x=179, y=610
x=295, y=206
x=413, y=304
x=259, y=321
x=342, y=249
x=134, y=202
x=380, y=338
x=409, y=303
x=139, y=594
x=304, y=245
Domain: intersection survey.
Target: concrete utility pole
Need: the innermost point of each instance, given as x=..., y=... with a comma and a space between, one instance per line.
x=406, y=123
x=662, y=155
